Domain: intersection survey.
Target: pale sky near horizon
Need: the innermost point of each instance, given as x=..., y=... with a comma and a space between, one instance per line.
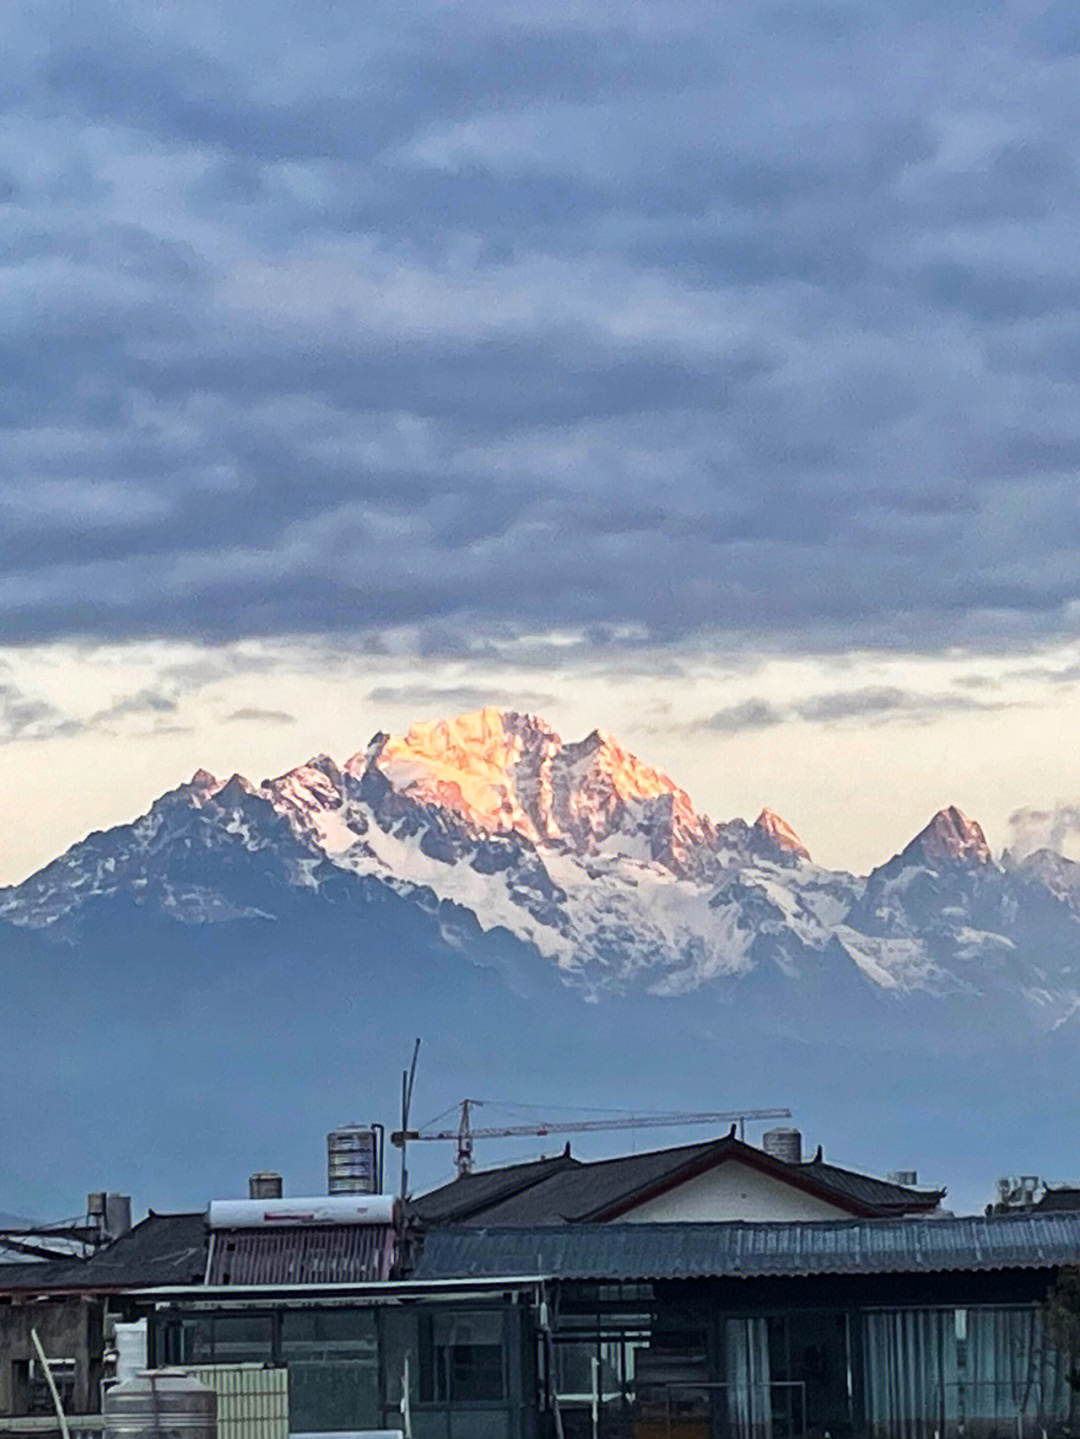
x=709, y=374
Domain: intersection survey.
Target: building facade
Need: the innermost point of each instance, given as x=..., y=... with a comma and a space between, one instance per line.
x=910, y=1329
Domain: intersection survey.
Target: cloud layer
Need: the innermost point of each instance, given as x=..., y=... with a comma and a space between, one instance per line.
x=870, y=704
x=754, y=320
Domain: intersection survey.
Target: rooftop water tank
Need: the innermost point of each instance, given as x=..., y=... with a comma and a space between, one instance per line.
x=109, y=1214
x=265, y=1185
x=784, y=1144
x=159, y=1404
x=354, y=1159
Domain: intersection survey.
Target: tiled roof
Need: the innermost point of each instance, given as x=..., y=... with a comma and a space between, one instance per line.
x=630, y=1252
x=568, y=1191
x=160, y=1249
x=472, y=1193
x=576, y=1194
x=31, y=1274
x=866, y=1189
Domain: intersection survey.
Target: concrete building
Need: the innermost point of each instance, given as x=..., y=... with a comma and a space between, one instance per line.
x=72, y=1303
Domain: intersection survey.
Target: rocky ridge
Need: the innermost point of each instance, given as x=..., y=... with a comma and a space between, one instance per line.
x=589, y=856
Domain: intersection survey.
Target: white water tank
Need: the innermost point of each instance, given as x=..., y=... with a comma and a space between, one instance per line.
x=783, y=1144
x=160, y=1404
x=335, y=1209
x=130, y=1349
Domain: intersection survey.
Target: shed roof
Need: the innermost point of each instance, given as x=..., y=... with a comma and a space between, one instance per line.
x=628, y=1252
x=1059, y=1198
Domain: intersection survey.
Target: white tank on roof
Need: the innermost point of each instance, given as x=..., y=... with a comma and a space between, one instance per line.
x=282, y=1213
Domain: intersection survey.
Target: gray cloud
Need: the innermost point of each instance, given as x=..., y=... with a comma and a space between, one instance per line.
x=252, y=714
x=29, y=717
x=459, y=698
x=144, y=703
x=318, y=323
x=1057, y=829
x=873, y=703
x=749, y=715
x=23, y=717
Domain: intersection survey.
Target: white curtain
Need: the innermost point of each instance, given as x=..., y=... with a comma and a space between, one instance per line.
x=1013, y=1378
x=747, y=1373
x=909, y=1358
x=993, y=1370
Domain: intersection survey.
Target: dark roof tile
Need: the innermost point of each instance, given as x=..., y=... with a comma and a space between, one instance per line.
x=473, y=1193
x=160, y=1249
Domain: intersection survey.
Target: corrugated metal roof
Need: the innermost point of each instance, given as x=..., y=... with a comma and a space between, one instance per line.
x=323, y=1254
x=745, y=1251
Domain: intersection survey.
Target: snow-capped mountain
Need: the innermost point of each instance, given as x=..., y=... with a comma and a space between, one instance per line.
x=490, y=824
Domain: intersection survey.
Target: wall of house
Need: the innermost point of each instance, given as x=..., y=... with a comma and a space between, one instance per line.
x=731, y=1191
x=69, y=1328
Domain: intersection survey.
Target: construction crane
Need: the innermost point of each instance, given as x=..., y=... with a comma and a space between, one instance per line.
x=465, y=1134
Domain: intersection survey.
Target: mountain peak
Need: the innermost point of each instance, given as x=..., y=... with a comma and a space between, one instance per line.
x=779, y=832
x=199, y=790
x=234, y=791
x=503, y=772
x=488, y=829
x=467, y=765
x=951, y=838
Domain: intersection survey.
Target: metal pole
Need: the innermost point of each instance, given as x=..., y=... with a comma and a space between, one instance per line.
x=406, y=1400
x=407, y=1078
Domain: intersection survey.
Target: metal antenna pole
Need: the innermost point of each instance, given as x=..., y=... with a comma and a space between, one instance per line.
x=407, y=1078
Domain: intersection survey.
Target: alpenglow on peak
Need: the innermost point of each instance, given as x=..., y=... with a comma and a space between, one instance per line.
x=501, y=772
x=951, y=838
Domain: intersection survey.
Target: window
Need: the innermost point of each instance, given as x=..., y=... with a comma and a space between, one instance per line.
x=39, y=1398
x=461, y=1358
x=332, y=1357
x=311, y=1334
x=240, y=1338
x=215, y=1339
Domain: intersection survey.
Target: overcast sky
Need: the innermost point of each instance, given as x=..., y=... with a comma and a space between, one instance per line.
x=706, y=373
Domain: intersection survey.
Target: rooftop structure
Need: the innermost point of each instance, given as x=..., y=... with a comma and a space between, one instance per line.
x=721, y=1179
